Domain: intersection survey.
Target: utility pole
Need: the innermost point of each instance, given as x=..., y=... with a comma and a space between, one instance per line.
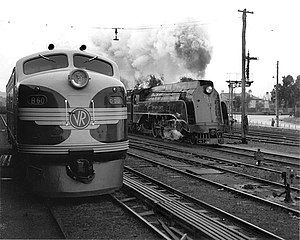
x=276, y=95
x=244, y=121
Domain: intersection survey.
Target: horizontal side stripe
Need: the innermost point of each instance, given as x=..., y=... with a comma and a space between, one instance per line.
x=100, y=116
x=63, y=125
x=64, y=149
x=97, y=117
x=63, y=110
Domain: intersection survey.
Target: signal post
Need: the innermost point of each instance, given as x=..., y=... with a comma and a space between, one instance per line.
x=244, y=121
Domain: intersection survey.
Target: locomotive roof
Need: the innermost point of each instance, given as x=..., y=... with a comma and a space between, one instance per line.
x=178, y=87
x=175, y=87
x=69, y=53
x=65, y=51
x=173, y=91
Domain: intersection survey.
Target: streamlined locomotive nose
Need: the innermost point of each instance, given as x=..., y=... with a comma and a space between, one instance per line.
x=68, y=122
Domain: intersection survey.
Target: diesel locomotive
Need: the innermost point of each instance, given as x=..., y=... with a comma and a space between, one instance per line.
x=188, y=110
x=66, y=119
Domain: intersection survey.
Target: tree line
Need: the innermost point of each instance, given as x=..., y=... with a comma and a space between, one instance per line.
x=288, y=96
x=288, y=92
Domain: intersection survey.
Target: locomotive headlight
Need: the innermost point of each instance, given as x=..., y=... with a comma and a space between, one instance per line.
x=115, y=100
x=79, y=78
x=208, y=89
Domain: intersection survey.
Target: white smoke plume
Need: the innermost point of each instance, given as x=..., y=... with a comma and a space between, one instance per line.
x=168, y=52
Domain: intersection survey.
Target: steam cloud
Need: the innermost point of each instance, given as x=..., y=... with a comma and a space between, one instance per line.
x=170, y=53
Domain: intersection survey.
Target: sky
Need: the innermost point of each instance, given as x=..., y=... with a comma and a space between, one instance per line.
x=152, y=29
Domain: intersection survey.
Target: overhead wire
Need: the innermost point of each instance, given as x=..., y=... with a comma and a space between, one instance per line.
x=145, y=27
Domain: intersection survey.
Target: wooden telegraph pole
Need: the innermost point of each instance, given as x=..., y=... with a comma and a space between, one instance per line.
x=244, y=121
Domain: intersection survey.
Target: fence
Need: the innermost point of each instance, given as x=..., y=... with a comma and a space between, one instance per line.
x=268, y=124
x=281, y=125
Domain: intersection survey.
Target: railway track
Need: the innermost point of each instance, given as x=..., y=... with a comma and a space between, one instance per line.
x=218, y=155
x=127, y=203
x=273, y=135
x=263, y=139
x=275, y=160
x=202, y=164
x=216, y=194
x=189, y=164
x=281, y=159
x=98, y=217
x=170, y=213
x=58, y=222
x=260, y=135
x=274, y=132
x=196, y=218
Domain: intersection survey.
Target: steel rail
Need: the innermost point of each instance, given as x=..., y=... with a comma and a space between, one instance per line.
x=198, y=221
x=246, y=154
x=214, y=167
x=4, y=122
x=225, y=160
x=265, y=153
x=184, y=210
x=203, y=204
x=228, y=151
x=57, y=221
x=269, y=134
x=156, y=230
x=290, y=210
x=6, y=179
x=256, y=139
x=217, y=159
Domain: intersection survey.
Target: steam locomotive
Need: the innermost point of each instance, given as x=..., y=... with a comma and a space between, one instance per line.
x=66, y=113
x=189, y=111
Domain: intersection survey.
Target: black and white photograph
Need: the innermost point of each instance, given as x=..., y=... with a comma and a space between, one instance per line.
x=175, y=120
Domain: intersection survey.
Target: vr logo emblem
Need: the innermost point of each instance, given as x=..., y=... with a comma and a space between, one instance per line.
x=80, y=118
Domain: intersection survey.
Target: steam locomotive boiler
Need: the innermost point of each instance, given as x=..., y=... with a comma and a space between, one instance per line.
x=192, y=109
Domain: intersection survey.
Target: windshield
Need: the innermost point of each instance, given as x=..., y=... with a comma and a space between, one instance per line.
x=45, y=63
x=93, y=64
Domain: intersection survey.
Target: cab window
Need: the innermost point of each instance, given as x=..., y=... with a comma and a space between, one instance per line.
x=93, y=63
x=45, y=63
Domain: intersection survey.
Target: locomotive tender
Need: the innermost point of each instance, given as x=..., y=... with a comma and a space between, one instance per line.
x=192, y=108
x=66, y=114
